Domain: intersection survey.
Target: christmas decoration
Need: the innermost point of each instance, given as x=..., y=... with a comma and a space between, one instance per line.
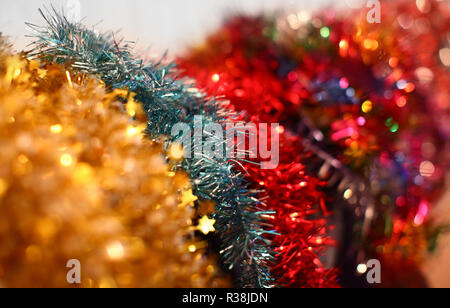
x=79, y=183
x=239, y=64
x=363, y=112
x=363, y=100
x=241, y=223
x=369, y=91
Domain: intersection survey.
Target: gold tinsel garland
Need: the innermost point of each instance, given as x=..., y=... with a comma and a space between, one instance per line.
x=79, y=181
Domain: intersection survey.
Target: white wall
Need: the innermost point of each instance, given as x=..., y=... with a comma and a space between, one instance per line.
x=159, y=24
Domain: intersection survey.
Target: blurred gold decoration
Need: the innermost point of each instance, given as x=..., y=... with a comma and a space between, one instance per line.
x=187, y=198
x=206, y=207
x=78, y=181
x=206, y=225
x=176, y=152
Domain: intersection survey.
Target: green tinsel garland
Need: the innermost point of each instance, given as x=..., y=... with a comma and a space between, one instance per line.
x=167, y=101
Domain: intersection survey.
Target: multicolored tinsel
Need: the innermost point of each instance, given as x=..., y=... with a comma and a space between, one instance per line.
x=363, y=99
x=241, y=219
x=379, y=92
x=239, y=64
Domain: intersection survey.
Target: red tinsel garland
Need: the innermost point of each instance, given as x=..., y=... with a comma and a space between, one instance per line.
x=237, y=65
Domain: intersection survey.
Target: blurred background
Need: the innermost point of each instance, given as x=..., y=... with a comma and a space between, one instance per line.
x=173, y=26
x=159, y=25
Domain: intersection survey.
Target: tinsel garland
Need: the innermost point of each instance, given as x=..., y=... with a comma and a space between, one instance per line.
x=239, y=64
x=78, y=181
x=362, y=99
x=241, y=220
x=370, y=92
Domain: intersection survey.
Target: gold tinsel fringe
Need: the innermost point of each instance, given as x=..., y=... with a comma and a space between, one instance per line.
x=79, y=181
